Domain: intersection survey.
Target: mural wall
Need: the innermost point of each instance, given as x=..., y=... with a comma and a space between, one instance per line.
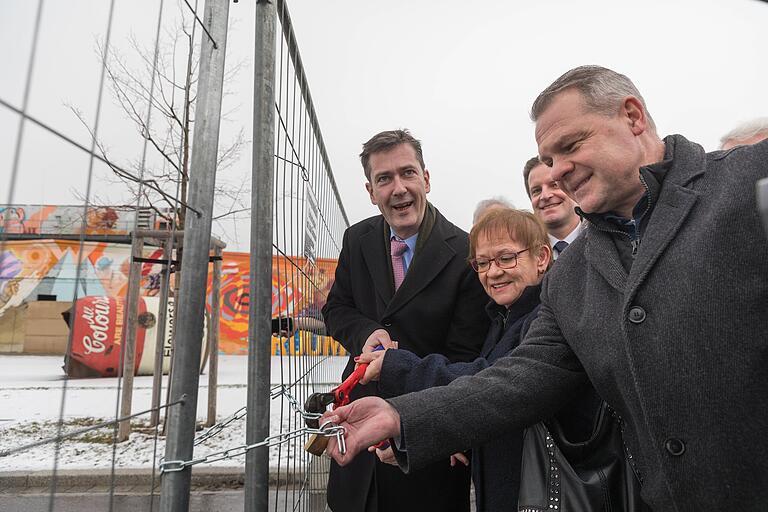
x=37, y=219
x=299, y=290
x=47, y=269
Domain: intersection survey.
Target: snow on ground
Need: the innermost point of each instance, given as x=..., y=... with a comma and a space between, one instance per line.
x=31, y=391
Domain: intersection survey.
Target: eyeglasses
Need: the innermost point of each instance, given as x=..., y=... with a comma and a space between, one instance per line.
x=505, y=260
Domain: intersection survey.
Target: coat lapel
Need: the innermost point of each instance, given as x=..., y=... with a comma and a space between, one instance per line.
x=425, y=267
x=602, y=254
x=375, y=256
x=668, y=216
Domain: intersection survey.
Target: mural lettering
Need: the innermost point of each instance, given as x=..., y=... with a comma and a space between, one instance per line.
x=98, y=322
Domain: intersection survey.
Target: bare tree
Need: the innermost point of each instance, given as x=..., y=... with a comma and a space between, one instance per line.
x=165, y=172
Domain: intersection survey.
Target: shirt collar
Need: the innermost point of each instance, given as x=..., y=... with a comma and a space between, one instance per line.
x=569, y=239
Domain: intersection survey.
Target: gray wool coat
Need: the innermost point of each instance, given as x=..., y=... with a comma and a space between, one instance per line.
x=678, y=346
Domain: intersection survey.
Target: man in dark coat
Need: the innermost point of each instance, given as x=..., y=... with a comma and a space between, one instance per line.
x=427, y=299
x=662, y=303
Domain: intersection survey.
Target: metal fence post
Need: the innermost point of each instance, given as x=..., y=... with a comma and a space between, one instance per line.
x=260, y=311
x=213, y=343
x=162, y=318
x=174, y=495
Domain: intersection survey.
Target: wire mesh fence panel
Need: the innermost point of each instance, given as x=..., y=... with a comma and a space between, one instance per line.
x=98, y=110
x=308, y=224
x=78, y=282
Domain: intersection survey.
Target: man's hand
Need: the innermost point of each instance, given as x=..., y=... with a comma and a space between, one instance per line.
x=379, y=337
x=366, y=421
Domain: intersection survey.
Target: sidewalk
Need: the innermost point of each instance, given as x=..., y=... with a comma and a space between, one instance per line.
x=212, y=489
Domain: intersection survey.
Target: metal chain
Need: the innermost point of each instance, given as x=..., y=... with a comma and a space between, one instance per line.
x=327, y=429
x=240, y=414
x=283, y=390
x=218, y=427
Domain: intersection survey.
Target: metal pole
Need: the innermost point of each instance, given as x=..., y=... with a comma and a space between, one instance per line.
x=174, y=491
x=130, y=325
x=260, y=310
x=213, y=345
x=162, y=315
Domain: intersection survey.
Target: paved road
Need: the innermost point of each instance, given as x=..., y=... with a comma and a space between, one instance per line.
x=200, y=501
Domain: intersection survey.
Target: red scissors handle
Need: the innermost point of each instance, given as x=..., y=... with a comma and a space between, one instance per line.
x=342, y=392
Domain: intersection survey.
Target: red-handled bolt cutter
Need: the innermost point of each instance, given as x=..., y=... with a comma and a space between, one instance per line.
x=318, y=402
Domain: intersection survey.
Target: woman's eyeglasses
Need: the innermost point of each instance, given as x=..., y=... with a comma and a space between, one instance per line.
x=504, y=260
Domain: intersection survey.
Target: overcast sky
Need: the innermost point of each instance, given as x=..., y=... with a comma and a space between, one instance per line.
x=460, y=75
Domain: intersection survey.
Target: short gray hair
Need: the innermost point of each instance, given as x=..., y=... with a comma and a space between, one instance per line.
x=746, y=131
x=602, y=90
x=487, y=204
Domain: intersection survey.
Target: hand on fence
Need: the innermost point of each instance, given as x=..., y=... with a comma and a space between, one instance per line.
x=378, y=338
x=366, y=422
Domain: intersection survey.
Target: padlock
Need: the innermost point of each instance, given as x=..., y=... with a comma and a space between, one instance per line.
x=316, y=444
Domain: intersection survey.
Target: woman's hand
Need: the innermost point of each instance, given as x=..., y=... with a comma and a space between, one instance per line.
x=374, y=361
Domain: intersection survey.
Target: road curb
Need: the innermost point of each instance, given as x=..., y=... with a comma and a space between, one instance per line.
x=211, y=477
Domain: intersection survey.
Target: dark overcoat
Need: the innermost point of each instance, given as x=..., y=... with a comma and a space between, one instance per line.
x=495, y=464
x=439, y=308
x=678, y=345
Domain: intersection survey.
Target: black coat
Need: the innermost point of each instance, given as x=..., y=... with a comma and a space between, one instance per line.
x=437, y=309
x=495, y=464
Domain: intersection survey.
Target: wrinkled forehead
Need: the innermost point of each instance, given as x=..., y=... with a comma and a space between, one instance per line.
x=565, y=112
x=393, y=159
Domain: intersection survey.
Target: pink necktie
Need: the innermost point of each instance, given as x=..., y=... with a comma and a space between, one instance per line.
x=398, y=266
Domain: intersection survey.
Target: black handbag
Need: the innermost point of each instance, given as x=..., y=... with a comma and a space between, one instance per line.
x=590, y=476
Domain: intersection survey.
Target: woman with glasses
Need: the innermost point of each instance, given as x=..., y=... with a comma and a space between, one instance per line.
x=509, y=249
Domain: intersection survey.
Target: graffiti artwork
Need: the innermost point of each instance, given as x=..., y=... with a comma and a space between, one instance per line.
x=299, y=290
x=32, y=270
x=66, y=220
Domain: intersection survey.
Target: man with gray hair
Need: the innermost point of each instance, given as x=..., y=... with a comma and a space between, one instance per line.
x=489, y=204
x=651, y=304
x=746, y=133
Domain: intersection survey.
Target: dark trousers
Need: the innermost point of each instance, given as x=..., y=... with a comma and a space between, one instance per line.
x=366, y=484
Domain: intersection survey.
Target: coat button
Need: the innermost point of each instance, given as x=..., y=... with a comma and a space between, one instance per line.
x=675, y=447
x=387, y=324
x=636, y=315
